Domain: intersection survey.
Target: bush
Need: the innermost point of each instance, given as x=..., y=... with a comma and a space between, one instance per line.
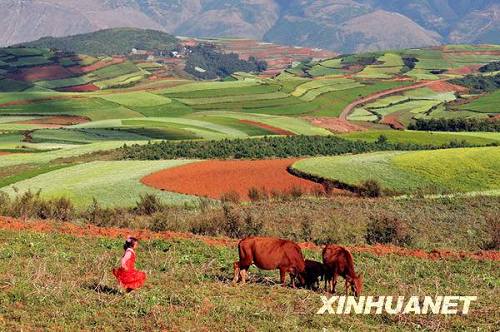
x=370, y=188
x=4, y=202
x=231, y=197
x=492, y=242
x=256, y=194
x=149, y=204
x=386, y=230
x=103, y=217
x=61, y=209
x=340, y=231
x=296, y=192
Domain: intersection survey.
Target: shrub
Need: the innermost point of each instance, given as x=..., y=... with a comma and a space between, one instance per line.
x=4, y=203
x=256, y=194
x=387, y=230
x=296, y=192
x=233, y=225
x=370, y=188
x=306, y=229
x=26, y=205
x=103, y=217
x=253, y=226
x=231, y=197
x=340, y=231
x=492, y=242
x=148, y=204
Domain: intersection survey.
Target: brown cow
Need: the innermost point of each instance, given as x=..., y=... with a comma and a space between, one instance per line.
x=269, y=254
x=313, y=273
x=338, y=261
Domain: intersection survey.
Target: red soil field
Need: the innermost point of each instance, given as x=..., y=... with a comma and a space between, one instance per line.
x=215, y=178
x=39, y=73
x=335, y=125
x=56, y=121
x=393, y=121
x=97, y=65
x=48, y=227
x=4, y=153
x=274, y=130
x=464, y=70
x=443, y=86
x=79, y=88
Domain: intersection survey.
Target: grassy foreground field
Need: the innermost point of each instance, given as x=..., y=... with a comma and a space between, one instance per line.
x=59, y=282
x=453, y=170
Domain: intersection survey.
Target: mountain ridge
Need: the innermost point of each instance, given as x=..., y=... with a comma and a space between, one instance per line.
x=340, y=25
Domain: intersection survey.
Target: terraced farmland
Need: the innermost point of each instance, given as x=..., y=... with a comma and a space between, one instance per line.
x=120, y=101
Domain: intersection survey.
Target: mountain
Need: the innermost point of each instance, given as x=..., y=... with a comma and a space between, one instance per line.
x=341, y=25
x=109, y=41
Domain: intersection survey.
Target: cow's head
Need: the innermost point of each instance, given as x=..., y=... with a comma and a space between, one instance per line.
x=357, y=284
x=301, y=276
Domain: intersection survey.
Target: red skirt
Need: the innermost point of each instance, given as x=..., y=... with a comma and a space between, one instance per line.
x=131, y=279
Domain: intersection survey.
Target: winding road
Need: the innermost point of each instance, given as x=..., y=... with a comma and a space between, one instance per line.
x=349, y=108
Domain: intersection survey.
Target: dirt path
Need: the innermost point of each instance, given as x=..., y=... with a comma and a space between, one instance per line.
x=349, y=108
x=94, y=231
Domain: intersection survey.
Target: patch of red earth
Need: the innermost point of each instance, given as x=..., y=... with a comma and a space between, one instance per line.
x=392, y=121
x=40, y=73
x=3, y=153
x=464, y=70
x=79, y=88
x=49, y=227
x=56, y=121
x=274, y=130
x=443, y=86
x=334, y=124
x=214, y=178
x=96, y=66
x=38, y=100
x=492, y=52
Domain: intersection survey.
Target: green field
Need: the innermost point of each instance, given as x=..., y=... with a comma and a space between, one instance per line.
x=391, y=64
x=425, y=138
x=453, y=170
x=62, y=282
x=112, y=183
x=485, y=104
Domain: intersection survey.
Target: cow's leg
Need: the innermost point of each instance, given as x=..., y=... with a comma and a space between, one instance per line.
x=244, y=275
x=236, y=267
x=334, y=283
x=282, y=276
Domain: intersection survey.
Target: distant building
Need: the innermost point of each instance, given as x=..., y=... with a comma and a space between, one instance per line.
x=138, y=52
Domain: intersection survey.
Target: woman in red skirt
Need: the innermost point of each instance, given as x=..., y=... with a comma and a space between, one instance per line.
x=127, y=275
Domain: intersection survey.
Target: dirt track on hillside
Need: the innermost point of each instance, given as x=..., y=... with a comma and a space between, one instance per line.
x=349, y=108
x=94, y=231
x=274, y=130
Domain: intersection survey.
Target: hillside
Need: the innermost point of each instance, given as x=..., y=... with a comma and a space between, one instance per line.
x=119, y=41
x=340, y=25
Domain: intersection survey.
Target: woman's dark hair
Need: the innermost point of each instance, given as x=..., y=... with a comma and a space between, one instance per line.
x=129, y=243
